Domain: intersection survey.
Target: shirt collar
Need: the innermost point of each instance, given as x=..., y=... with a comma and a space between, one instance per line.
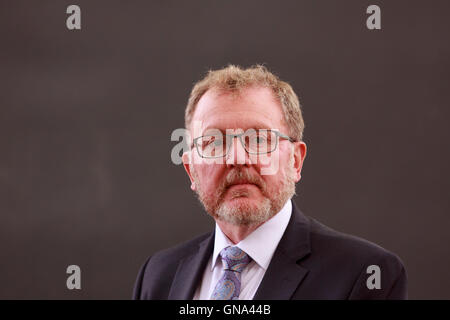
x=260, y=245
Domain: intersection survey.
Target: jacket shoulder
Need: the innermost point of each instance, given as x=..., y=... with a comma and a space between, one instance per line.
x=354, y=259
x=156, y=274
x=179, y=251
x=336, y=243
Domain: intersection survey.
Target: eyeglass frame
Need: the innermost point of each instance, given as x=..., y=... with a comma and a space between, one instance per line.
x=239, y=135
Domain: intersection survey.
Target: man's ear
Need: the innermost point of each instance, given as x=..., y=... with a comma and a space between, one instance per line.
x=299, y=158
x=187, y=164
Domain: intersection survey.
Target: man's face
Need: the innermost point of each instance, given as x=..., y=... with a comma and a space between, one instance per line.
x=236, y=190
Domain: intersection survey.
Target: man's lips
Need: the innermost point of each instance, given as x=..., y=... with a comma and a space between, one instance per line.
x=242, y=184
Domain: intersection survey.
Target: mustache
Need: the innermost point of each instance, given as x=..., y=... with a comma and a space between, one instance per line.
x=239, y=176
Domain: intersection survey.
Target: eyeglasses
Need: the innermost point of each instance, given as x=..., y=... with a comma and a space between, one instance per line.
x=261, y=141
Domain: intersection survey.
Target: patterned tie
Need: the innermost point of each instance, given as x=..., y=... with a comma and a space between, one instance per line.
x=229, y=286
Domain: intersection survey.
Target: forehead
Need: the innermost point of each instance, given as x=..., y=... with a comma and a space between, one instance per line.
x=254, y=107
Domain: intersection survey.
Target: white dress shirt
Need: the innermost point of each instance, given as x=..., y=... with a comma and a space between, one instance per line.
x=260, y=245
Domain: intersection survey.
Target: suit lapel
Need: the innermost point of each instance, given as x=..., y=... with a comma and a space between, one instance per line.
x=284, y=274
x=190, y=271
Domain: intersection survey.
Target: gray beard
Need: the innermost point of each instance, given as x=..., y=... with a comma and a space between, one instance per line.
x=247, y=214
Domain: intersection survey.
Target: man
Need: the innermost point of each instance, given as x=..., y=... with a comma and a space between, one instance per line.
x=246, y=156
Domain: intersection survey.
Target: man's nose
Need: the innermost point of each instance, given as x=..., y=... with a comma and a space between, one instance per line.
x=237, y=154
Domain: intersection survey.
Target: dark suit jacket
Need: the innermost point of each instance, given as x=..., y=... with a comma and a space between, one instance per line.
x=311, y=261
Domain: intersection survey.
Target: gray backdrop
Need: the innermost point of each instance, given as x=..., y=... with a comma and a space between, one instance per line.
x=86, y=118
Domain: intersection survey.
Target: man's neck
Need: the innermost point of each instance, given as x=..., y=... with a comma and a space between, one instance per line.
x=236, y=233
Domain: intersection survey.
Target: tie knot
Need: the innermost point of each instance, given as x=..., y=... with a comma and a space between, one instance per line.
x=234, y=259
